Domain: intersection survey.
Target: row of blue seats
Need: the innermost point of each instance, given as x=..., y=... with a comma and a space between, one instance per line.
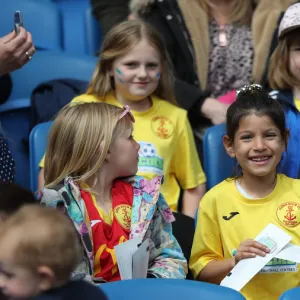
x=161, y=289
x=62, y=25
x=217, y=164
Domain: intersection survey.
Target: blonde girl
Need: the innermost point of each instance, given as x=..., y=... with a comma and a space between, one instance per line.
x=133, y=70
x=90, y=152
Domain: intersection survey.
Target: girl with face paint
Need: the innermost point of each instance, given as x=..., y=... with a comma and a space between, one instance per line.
x=133, y=70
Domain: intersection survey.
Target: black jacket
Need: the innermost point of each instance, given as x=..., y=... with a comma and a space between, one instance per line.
x=110, y=12
x=74, y=290
x=166, y=17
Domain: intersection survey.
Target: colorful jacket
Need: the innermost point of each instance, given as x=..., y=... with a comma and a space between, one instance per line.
x=151, y=218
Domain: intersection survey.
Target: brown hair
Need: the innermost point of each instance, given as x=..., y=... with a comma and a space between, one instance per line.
x=80, y=138
x=280, y=75
x=42, y=236
x=240, y=12
x=118, y=41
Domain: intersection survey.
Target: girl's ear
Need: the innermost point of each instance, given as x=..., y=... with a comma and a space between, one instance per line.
x=111, y=72
x=108, y=156
x=228, y=146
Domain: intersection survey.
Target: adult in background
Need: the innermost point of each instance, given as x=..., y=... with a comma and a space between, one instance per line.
x=15, y=52
x=216, y=46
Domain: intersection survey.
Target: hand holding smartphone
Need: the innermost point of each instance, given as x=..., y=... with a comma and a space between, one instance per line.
x=18, y=21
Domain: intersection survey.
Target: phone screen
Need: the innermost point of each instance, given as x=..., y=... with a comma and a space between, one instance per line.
x=18, y=22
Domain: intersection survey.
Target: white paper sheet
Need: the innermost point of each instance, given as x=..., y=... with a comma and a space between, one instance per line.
x=275, y=239
x=290, y=252
x=124, y=254
x=140, y=261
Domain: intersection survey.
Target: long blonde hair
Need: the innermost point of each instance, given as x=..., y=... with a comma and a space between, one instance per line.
x=280, y=75
x=240, y=12
x=118, y=42
x=80, y=138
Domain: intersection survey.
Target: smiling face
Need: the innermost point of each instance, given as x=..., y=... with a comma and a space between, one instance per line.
x=258, y=145
x=137, y=73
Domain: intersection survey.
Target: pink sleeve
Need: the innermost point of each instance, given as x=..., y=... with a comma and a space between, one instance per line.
x=228, y=98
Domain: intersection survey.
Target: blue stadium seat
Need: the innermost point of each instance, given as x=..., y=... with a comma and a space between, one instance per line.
x=162, y=289
x=14, y=114
x=48, y=65
x=291, y=294
x=37, y=144
x=41, y=18
x=82, y=33
x=217, y=164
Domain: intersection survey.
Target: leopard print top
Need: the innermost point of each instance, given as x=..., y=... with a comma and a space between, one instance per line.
x=230, y=67
x=7, y=164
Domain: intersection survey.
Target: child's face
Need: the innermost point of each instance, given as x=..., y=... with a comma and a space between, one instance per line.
x=124, y=156
x=295, y=60
x=17, y=282
x=258, y=145
x=137, y=73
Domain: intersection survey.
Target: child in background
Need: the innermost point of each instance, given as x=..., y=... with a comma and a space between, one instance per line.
x=234, y=212
x=284, y=77
x=133, y=70
x=38, y=251
x=12, y=197
x=90, y=153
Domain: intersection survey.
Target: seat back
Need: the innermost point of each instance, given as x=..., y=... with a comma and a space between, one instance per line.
x=291, y=294
x=15, y=113
x=218, y=165
x=82, y=33
x=41, y=18
x=46, y=65
x=37, y=144
x=162, y=289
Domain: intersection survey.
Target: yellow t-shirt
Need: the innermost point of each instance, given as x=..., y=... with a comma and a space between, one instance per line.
x=297, y=103
x=217, y=238
x=167, y=146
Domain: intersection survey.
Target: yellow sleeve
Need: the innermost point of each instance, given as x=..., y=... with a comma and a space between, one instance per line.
x=207, y=245
x=42, y=162
x=186, y=164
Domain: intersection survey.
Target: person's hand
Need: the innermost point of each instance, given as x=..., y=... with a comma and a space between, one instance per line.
x=15, y=51
x=249, y=249
x=214, y=110
x=132, y=17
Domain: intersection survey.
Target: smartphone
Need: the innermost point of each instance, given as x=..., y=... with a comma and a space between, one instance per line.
x=18, y=22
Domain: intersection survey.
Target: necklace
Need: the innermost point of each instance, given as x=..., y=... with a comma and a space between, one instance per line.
x=222, y=36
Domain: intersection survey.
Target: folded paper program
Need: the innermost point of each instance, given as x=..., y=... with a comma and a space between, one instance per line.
x=277, y=241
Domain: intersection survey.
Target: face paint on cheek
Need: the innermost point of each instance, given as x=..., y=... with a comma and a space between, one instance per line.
x=157, y=76
x=120, y=79
x=119, y=75
x=118, y=71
